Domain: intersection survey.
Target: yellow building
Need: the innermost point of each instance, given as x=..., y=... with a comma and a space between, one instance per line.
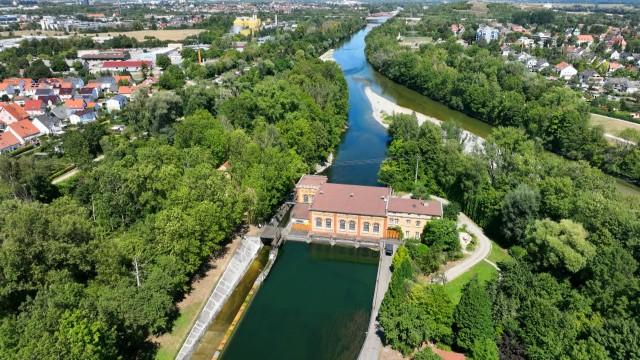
x=354, y=211
x=246, y=25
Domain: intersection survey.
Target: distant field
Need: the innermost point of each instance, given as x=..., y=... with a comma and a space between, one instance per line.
x=611, y=125
x=170, y=35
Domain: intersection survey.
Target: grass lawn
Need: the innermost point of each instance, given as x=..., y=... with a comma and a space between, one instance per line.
x=483, y=270
x=611, y=125
x=171, y=342
x=498, y=254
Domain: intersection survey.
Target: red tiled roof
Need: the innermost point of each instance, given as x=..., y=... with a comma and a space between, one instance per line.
x=15, y=110
x=126, y=63
x=125, y=90
x=562, y=66
x=33, y=105
x=75, y=103
x=312, y=180
x=415, y=206
x=351, y=199
x=7, y=139
x=585, y=38
x=24, y=128
x=119, y=78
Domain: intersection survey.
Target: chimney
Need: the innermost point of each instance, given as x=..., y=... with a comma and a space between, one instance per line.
x=351, y=195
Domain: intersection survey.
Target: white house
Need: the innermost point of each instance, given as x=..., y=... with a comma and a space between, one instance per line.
x=566, y=71
x=82, y=117
x=48, y=124
x=116, y=103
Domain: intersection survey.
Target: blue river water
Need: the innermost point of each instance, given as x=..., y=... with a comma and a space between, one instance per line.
x=364, y=145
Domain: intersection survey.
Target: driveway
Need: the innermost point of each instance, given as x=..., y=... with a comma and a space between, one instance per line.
x=482, y=250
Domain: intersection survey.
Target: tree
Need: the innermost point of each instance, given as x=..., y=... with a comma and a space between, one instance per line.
x=472, y=317
x=172, y=78
x=519, y=208
x=37, y=70
x=484, y=349
x=163, y=61
x=562, y=247
x=58, y=64
x=442, y=234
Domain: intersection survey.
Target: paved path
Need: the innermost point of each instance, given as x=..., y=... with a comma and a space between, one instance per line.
x=481, y=251
x=619, y=140
x=65, y=176
x=373, y=343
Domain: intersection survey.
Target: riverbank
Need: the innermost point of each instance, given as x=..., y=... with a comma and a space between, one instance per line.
x=381, y=107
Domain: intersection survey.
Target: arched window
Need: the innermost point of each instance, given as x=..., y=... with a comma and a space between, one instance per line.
x=352, y=225
x=366, y=227
x=327, y=223
x=376, y=228
x=318, y=222
x=306, y=199
x=343, y=225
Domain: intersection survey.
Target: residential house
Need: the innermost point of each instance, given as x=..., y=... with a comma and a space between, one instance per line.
x=566, y=71
x=34, y=107
x=82, y=117
x=66, y=93
x=584, y=39
x=20, y=100
x=74, y=82
x=591, y=78
x=412, y=214
x=126, y=91
x=23, y=130
x=89, y=93
x=457, y=29
x=6, y=89
x=487, y=33
x=8, y=142
x=123, y=80
x=615, y=55
x=48, y=124
x=44, y=91
x=116, y=103
x=106, y=83
x=12, y=112
x=615, y=66
x=541, y=65
x=73, y=105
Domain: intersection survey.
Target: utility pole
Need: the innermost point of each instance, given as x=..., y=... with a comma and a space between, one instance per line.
x=415, y=178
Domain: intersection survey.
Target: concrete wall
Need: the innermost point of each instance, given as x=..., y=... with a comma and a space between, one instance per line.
x=242, y=258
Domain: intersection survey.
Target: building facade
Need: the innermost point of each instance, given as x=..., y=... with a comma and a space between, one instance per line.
x=354, y=211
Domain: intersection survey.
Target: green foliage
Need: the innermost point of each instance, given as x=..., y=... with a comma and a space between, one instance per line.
x=172, y=78
x=451, y=210
x=442, y=234
x=83, y=145
x=559, y=246
x=163, y=61
x=37, y=70
x=484, y=349
x=519, y=207
x=472, y=318
x=426, y=354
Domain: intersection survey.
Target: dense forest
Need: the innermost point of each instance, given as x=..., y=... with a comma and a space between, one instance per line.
x=483, y=85
x=572, y=289
x=92, y=268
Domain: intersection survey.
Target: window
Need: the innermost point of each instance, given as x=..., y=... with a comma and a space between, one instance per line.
x=406, y=233
x=318, y=222
x=343, y=224
x=417, y=222
x=417, y=234
x=376, y=228
x=408, y=222
x=327, y=223
x=352, y=225
x=306, y=199
x=366, y=227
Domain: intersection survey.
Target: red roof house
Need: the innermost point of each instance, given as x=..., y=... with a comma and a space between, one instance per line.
x=12, y=112
x=34, y=107
x=8, y=141
x=23, y=130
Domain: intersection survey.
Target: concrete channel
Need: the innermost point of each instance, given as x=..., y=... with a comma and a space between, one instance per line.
x=242, y=258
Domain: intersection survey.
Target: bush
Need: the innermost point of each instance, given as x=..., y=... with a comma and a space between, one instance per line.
x=426, y=354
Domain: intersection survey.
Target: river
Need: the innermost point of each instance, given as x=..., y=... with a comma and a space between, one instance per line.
x=316, y=302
